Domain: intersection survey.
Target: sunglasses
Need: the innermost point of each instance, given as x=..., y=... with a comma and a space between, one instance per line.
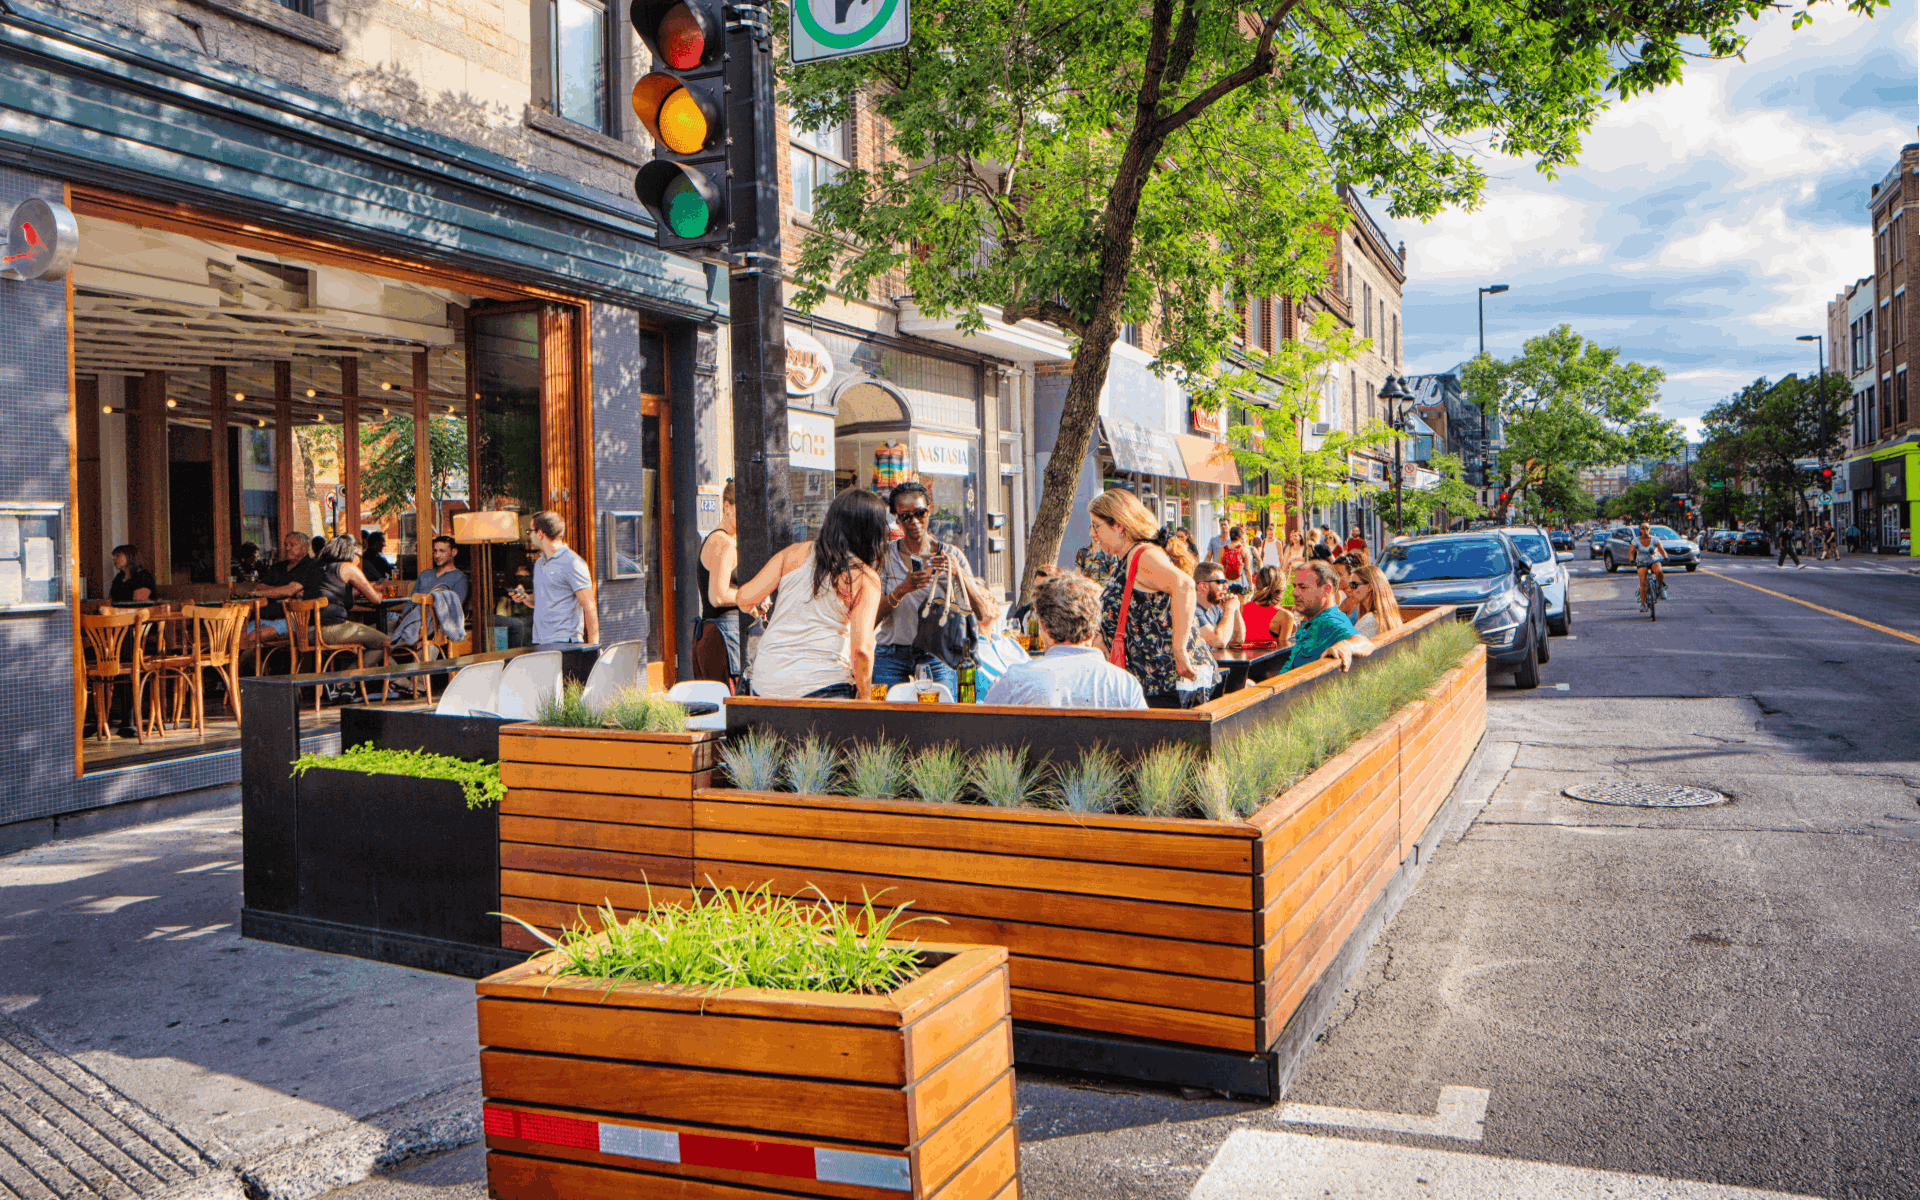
x=912, y=514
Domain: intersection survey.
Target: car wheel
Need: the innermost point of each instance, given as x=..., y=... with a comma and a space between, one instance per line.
x=1526, y=676
x=1542, y=651
x=1612, y=566
x=1565, y=625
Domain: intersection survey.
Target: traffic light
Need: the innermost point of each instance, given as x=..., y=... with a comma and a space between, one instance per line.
x=1826, y=479
x=682, y=104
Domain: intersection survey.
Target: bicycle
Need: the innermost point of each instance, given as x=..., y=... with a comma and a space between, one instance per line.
x=1651, y=596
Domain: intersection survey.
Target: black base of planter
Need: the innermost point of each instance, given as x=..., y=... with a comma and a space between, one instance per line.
x=400, y=949
x=1169, y=1063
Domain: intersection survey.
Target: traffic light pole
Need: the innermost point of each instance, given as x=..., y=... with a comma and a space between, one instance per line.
x=758, y=304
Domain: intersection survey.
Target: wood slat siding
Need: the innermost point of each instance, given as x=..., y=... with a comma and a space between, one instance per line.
x=1200, y=932
x=595, y=818
x=925, y=1072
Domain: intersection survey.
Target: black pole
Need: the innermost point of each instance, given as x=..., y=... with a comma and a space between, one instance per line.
x=758, y=302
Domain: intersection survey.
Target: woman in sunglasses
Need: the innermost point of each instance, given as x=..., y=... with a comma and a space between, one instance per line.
x=906, y=590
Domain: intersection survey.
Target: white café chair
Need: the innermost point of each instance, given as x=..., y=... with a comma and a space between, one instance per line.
x=471, y=688
x=618, y=667
x=524, y=683
x=904, y=693
x=702, y=691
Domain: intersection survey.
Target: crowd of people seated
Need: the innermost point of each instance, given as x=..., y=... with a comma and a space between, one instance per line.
x=1138, y=624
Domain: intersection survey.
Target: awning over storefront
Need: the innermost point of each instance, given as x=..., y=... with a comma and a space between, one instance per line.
x=1138, y=450
x=1207, y=461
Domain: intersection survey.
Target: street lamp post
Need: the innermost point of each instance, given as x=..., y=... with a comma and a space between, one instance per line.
x=1819, y=397
x=1481, y=301
x=1398, y=399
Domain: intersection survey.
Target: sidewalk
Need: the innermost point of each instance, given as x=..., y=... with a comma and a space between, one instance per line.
x=147, y=1051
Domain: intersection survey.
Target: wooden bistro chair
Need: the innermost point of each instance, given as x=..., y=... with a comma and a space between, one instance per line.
x=107, y=635
x=303, y=627
x=217, y=632
x=171, y=671
x=424, y=650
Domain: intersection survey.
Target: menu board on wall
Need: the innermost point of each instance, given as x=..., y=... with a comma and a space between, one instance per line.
x=30, y=557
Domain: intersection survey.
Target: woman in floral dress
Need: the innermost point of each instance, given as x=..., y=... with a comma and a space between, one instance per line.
x=1161, y=640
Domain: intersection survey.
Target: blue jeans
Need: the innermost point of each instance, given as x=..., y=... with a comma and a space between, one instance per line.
x=895, y=664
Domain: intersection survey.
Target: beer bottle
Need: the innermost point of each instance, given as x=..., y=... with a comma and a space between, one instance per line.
x=967, y=681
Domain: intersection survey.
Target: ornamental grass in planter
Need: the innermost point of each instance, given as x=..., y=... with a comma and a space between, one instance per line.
x=745, y=1044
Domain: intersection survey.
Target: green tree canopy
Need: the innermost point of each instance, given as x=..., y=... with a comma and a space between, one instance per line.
x=386, y=461
x=1770, y=431
x=1449, y=500
x=1094, y=165
x=1567, y=402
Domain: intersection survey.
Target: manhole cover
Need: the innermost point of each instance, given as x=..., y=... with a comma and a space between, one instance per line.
x=1645, y=795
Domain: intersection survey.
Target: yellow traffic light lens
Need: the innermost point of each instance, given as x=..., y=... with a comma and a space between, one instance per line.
x=681, y=40
x=686, y=210
x=647, y=97
x=683, y=127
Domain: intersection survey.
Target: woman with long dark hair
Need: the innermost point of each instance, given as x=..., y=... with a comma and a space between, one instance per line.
x=819, y=641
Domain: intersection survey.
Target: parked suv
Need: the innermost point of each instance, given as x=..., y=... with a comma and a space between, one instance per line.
x=1545, y=556
x=1490, y=583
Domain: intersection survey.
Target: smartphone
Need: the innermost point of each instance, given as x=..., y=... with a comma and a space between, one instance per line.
x=915, y=564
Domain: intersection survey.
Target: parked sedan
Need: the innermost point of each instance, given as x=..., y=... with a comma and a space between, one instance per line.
x=1489, y=582
x=1562, y=539
x=1680, y=551
x=1545, y=559
x=1750, y=541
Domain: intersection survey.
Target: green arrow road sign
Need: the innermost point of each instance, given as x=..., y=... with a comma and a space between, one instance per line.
x=823, y=29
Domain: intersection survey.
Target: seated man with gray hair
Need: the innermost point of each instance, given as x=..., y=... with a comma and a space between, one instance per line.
x=1070, y=672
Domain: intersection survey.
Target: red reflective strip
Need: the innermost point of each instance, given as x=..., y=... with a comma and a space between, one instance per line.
x=739, y=1154
x=549, y=1131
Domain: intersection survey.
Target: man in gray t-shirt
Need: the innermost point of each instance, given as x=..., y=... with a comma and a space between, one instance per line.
x=562, y=597
x=906, y=590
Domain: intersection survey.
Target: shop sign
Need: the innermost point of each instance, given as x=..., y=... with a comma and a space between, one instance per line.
x=809, y=441
x=1892, y=482
x=1209, y=420
x=809, y=363
x=42, y=238
x=1142, y=451
x=942, y=455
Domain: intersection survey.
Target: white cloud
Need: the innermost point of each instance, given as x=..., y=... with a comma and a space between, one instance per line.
x=1512, y=227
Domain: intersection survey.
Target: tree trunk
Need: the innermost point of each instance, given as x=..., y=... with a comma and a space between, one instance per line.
x=1062, y=479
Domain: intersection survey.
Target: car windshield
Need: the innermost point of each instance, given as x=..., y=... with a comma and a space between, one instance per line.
x=1661, y=531
x=1532, y=545
x=1418, y=562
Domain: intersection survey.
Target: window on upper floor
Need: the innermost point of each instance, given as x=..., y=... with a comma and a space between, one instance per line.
x=1257, y=327
x=1130, y=334
x=572, y=59
x=1900, y=398
x=1396, y=340
x=1897, y=238
x=303, y=7
x=1880, y=252
x=1366, y=310
x=819, y=155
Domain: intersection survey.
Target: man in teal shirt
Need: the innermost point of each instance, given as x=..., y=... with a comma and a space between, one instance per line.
x=1325, y=632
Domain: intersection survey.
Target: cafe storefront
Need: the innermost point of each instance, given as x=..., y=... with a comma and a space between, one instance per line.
x=305, y=340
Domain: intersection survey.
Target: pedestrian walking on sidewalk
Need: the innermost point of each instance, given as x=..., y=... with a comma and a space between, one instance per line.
x=1786, y=547
x=1829, y=544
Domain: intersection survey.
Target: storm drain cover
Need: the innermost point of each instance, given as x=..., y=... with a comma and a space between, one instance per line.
x=1645, y=795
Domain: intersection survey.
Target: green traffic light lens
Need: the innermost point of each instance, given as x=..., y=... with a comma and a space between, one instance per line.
x=686, y=209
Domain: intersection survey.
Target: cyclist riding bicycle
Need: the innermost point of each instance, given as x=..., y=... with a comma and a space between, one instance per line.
x=1647, y=555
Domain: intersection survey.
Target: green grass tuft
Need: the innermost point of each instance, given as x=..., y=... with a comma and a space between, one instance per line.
x=1003, y=777
x=752, y=760
x=479, y=780
x=735, y=939
x=635, y=708
x=568, y=708
x=938, y=774
x=812, y=765
x=1095, y=784
x=876, y=770
x=1163, y=780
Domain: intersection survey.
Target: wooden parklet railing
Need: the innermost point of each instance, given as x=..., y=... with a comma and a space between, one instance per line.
x=1202, y=934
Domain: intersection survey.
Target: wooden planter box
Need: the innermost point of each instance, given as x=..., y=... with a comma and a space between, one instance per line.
x=595, y=817
x=651, y=1090
x=1168, y=934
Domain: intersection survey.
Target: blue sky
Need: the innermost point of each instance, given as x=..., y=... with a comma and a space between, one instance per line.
x=1706, y=225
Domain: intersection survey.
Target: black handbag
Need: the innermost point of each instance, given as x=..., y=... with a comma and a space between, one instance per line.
x=948, y=628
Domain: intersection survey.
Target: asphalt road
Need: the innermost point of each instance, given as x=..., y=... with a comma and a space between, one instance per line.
x=1722, y=997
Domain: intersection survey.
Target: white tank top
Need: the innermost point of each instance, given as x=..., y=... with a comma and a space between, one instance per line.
x=805, y=645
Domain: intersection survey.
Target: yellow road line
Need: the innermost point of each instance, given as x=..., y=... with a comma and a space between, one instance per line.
x=1817, y=608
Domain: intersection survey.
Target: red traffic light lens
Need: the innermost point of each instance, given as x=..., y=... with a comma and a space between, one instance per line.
x=681, y=40
x=686, y=210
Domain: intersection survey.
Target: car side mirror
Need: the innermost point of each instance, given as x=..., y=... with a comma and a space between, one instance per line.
x=1564, y=556
x=1522, y=568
